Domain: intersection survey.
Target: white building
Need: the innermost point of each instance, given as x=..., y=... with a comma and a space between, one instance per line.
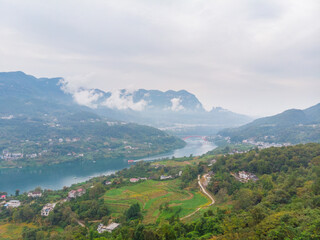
x=76, y=193
x=12, y=204
x=34, y=194
x=47, y=209
x=244, y=175
x=101, y=228
x=162, y=177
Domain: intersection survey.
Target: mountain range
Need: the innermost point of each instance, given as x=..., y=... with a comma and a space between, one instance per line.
x=42, y=124
x=294, y=126
x=178, y=111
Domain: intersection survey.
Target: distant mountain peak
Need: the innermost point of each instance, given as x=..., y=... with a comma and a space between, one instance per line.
x=139, y=100
x=153, y=107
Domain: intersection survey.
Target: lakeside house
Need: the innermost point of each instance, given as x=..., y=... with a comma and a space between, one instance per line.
x=47, y=209
x=108, y=183
x=76, y=193
x=3, y=197
x=34, y=194
x=102, y=228
x=12, y=204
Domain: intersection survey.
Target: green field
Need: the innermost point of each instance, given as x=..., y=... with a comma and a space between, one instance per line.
x=151, y=194
x=12, y=231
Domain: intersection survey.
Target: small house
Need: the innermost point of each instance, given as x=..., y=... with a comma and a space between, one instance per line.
x=162, y=177
x=76, y=193
x=101, y=228
x=134, y=180
x=34, y=194
x=12, y=204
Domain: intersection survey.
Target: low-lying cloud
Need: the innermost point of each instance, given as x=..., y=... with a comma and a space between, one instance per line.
x=87, y=98
x=123, y=101
x=176, y=104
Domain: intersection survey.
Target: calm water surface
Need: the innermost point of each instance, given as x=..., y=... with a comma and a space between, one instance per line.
x=65, y=174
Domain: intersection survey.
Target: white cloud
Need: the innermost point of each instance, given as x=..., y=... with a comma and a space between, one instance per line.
x=123, y=101
x=227, y=52
x=176, y=104
x=87, y=98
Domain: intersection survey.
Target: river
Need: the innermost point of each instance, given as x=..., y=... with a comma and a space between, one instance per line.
x=65, y=174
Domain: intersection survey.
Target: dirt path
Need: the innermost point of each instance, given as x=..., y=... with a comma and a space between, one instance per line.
x=206, y=193
x=81, y=224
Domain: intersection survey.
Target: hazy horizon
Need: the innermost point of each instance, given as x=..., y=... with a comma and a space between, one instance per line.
x=254, y=58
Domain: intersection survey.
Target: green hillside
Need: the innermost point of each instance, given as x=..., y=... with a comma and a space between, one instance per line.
x=293, y=126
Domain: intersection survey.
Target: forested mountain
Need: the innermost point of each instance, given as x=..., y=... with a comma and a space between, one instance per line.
x=177, y=111
x=41, y=124
x=294, y=126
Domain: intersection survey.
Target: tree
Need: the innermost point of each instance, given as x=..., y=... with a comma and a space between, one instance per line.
x=138, y=234
x=134, y=212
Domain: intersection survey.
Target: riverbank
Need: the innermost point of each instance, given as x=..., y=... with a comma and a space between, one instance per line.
x=65, y=174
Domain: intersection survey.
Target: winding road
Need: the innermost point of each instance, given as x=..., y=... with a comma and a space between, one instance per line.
x=206, y=193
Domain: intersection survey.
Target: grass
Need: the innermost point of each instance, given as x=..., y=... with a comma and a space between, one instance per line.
x=12, y=231
x=150, y=195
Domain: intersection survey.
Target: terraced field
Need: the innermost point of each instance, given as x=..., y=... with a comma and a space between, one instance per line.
x=151, y=194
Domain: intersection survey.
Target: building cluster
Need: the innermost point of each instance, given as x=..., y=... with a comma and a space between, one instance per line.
x=75, y=154
x=102, y=228
x=76, y=193
x=263, y=145
x=47, y=209
x=7, y=155
x=246, y=176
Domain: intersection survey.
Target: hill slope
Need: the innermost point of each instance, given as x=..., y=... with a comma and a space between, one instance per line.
x=294, y=126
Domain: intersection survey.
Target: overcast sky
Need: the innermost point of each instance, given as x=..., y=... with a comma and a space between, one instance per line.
x=250, y=56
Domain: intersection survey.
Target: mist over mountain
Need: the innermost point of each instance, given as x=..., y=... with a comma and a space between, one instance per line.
x=44, y=125
x=176, y=111
x=294, y=126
